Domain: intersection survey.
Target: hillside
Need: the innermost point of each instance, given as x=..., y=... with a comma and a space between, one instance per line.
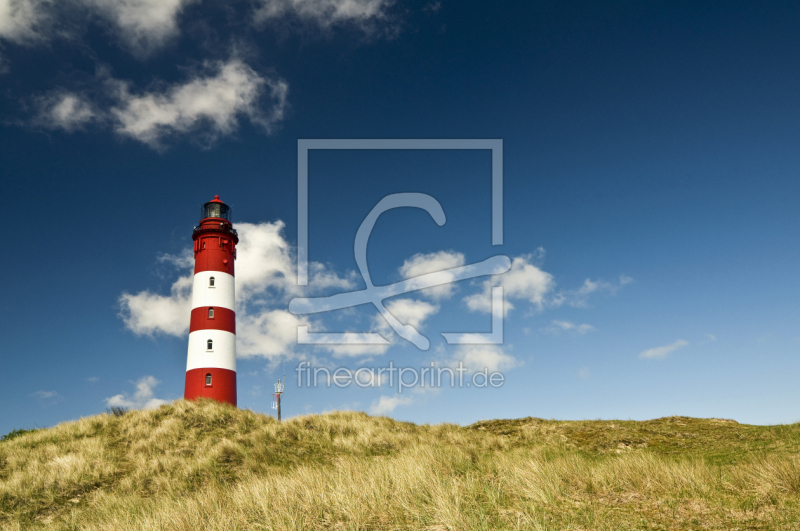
x=189, y=466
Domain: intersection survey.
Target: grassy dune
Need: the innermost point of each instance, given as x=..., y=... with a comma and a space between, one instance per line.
x=190, y=466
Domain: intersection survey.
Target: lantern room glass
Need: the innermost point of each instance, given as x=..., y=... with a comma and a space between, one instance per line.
x=215, y=210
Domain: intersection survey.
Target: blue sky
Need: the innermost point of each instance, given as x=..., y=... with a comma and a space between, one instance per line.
x=651, y=191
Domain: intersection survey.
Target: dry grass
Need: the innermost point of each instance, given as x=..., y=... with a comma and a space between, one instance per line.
x=207, y=466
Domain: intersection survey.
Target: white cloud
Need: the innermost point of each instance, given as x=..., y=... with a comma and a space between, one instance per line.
x=208, y=105
x=421, y=264
x=144, y=25
x=526, y=281
x=327, y=13
x=269, y=334
x=24, y=21
x=143, y=398
x=584, y=373
x=662, y=352
x=64, y=110
x=476, y=358
x=147, y=313
x=564, y=326
x=266, y=261
x=386, y=404
x=523, y=281
x=407, y=311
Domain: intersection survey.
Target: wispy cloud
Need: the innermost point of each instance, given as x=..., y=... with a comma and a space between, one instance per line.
x=142, y=398
x=182, y=260
x=367, y=15
x=524, y=281
x=709, y=338
x=477, y=358
x=210, y=104
x=387, y=404
x=407, y=311
x=141, y=25
x=24, y=21
x=46, y=394
x=568, y=326
x=432, y=7
x=662, y=352
x=64, y=110
x=216, y=97
x=354, y=344
x=527, y=281
x=578, y=298
x=47, y=398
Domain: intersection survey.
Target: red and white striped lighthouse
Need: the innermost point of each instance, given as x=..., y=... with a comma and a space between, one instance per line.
x=211, y=363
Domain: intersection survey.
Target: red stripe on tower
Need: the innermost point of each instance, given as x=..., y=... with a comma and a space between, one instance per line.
x=211, y=362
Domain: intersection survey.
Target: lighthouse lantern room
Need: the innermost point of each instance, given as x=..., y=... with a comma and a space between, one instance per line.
x=211, y=362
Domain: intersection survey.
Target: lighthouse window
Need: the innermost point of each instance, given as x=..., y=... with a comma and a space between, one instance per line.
x=208, y=379
x=211, y=313
x=210, y=282
x=210, y=344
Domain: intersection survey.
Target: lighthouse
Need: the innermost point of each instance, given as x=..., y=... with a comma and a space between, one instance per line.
x=211, y=362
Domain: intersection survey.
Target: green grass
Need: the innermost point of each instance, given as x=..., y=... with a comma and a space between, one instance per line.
x=14, y=434
x=208, y=466
x=718, y=441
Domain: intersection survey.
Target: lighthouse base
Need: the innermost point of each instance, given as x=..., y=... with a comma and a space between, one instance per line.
x=222, y=387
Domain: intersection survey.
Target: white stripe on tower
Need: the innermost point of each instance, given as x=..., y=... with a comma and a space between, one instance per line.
x=221, y=355
x=221, y=294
